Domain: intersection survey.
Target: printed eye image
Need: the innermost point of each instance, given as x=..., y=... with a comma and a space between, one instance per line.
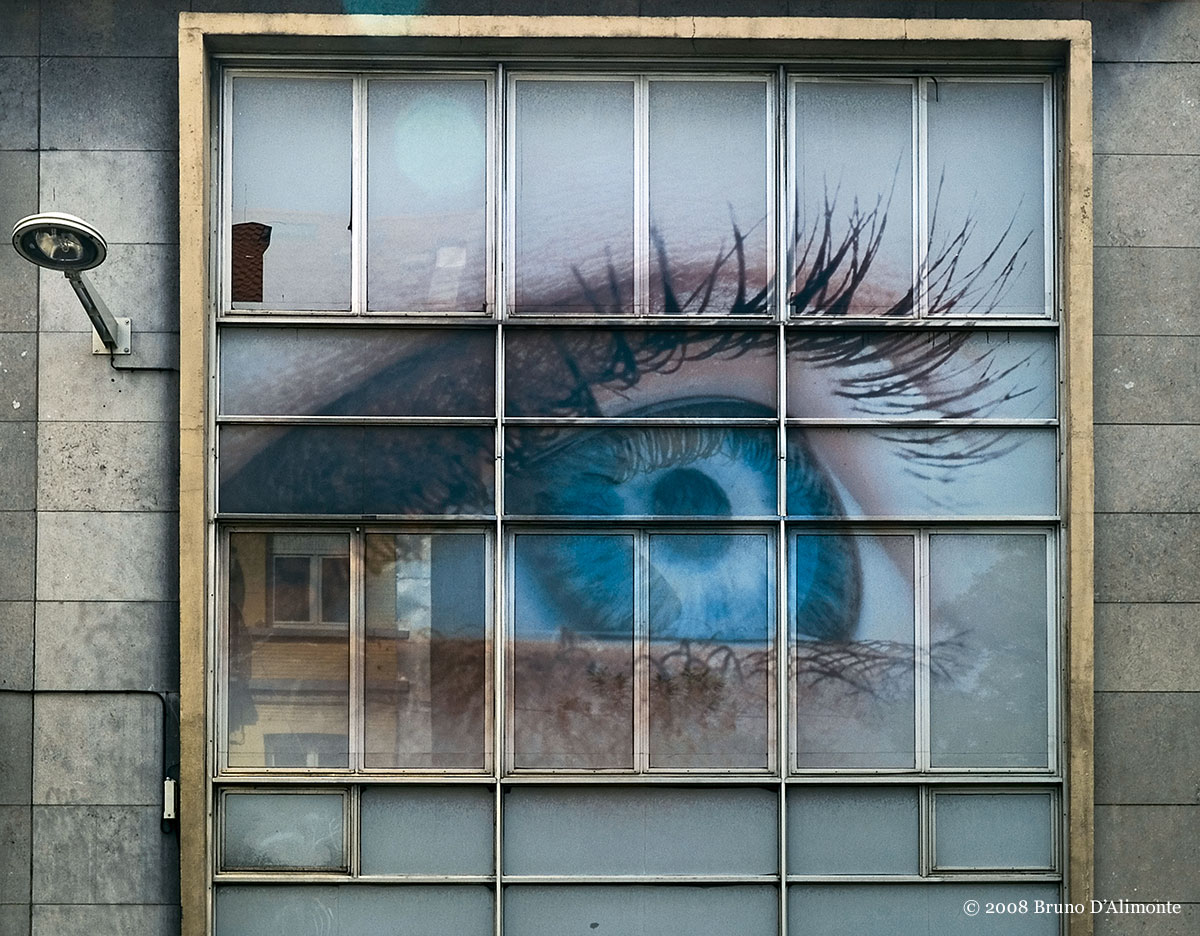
x=677, y=504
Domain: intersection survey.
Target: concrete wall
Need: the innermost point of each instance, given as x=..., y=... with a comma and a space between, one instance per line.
x=88, y=463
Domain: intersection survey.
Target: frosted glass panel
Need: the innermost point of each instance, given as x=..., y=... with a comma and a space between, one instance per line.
x=747, y=910
x=851, y=603
x=853, y=245
x=639, y=372
x=426, y=195
x=944, y=472
x=988, y=613
x=572, y=666
x=363, y=910
x=288, y=689
x=427, y=830
x=680, y=471
x=993, y=830
x=356, y=372
x=853, y=830
x=711, y=635
x=922, y=375
x=917, y=909
x=708, y=197
x=356, y=469
x=987, y=198
x=269, y=830
x=426, y=657
x=290, y=212
x=639, y=830
x=574, y=196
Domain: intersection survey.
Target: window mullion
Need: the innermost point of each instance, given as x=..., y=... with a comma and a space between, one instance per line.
x=357, y=726
x=641, y=642
x=641, y=195
x=923, y=652
x=921, y=196
x=358, y=200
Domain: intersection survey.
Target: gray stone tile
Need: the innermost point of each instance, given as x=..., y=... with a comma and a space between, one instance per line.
x=76, y=385
x=1144, y=32
x=103, y=854
x=130, y=27
x=20, y=34
x=896, y=9
x=307, y=6
x=1184, y=923
x=706, y=8
x=107, y=645
x=132, y=103
x=1147, y=469
x=1147, y=380
x=1138, y=729
x=107, y=466
x=1147, y=647
x=1147, y=291
x=137, y=281
x=16, y=644
x=1147, y=557
x=91, y=920
x=18, y=465
x=97, y=749
x=16, y=546
x=15, y=844
x=18, y=103
x=108, y=556
x=1148, y=853
x=18, y=377
x=1146, y=108
x=1147, y=201
x=18, y=278
x=14, y=919
x=130, y=197
x=16, y=748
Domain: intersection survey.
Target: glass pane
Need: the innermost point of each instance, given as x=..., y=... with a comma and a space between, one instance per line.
x=744, y=909
x=297, y=830
x=427, y=830
x=639, y=373
x=357, y=372
x=853, y=830
x=988, y=622
x=574, y=197
x=361, y=909
x=987, y=199
x=888, y=909
x=290, y=234
x=356, y=470
x=425, y=599
x=288, y=690
x=993, y=830
x=709, y=222
x=573, y=651
x=943, y=472
x=426, y=195
x=853, y=221
x=639, y=830
x=696, y=471
x=711, y=666
x=851, y=602
x=922, y=375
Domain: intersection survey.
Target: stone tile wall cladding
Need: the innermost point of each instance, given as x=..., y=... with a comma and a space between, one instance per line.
x=88, y=466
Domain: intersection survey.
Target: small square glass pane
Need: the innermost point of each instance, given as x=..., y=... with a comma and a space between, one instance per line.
x=853, y=830
x=427, y=830
x=283, y=831
x=993, y=831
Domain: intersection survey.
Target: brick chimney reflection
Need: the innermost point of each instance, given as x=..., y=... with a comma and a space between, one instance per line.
x=250, y=242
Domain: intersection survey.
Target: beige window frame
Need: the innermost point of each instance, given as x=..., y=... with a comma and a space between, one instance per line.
x=202, y=37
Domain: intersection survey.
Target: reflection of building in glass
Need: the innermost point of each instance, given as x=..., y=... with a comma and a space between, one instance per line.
x=249, y=242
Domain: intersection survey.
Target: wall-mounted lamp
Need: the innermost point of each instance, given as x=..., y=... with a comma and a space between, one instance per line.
x=69, y=244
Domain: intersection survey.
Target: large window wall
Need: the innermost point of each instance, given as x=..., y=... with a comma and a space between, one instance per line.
x=638, y=501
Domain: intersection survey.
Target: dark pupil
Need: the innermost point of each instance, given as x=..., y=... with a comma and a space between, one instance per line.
x=685, y=492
